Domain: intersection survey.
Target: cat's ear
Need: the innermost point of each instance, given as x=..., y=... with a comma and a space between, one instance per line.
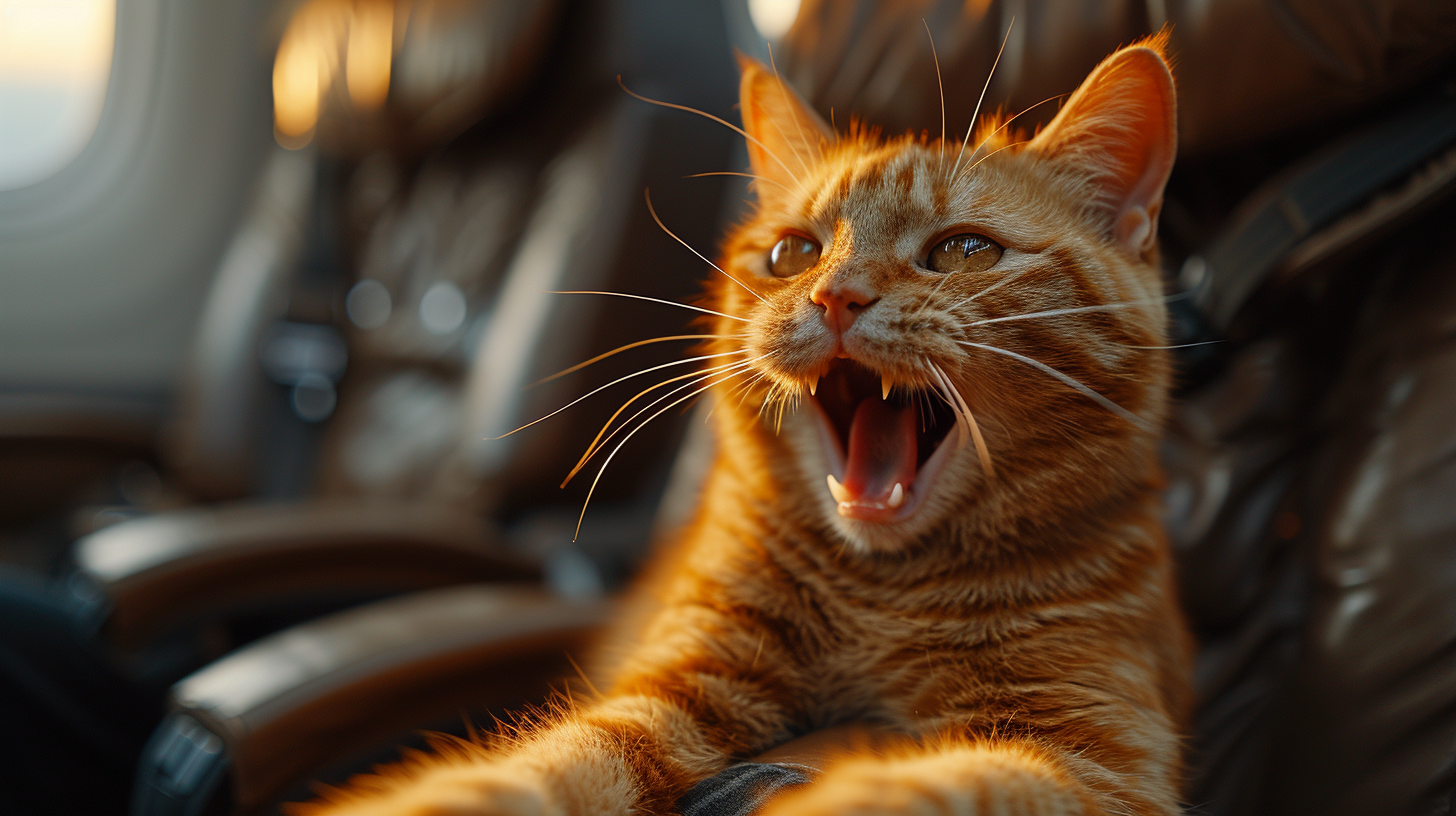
x=785, y=136
x=1120, y=128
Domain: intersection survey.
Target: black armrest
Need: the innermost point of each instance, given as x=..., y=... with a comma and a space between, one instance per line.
x=248, y=727
x=148, y=575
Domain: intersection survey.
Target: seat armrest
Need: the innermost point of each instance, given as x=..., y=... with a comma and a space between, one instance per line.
x=146, y=576
x=264, y=718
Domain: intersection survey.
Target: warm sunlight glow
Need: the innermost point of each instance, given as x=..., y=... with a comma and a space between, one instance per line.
x=773, y=18
x=55, y=60
x=371, y=44
x=323, y=37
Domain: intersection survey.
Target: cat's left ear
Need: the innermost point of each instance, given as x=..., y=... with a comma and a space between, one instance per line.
x=1121, y=129
x=786, y=136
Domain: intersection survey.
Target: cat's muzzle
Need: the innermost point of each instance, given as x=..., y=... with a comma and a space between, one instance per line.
x=885, y=445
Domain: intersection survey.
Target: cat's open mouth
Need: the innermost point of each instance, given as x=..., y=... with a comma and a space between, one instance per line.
x=884, y=449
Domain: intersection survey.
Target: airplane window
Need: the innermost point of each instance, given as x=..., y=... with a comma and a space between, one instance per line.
x=55, y=60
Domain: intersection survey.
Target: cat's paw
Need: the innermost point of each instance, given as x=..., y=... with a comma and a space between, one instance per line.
x=967, y=782
x=457, y=791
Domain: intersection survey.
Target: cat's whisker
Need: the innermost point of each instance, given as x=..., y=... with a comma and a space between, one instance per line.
x=971, y=168
x=1014, y=275
x=623, y=378
x=942, y=388
x=740, y=131
x=737, y=390
x=598, y=442
x=747, y=386
x=753, y=176
x=788, y=397
x=776, y=392
x=1101, y=307
x=629, y=436
x=931, y=296
x=993, y=287
x=940, y=163
x=1007, y=123
x=983, y=452
x=1176, y=346
x=638, y=344
x=768, y=399
x=1070, y=381
x=797, y=125
x=649, y=299
x=976, y=114
x=648, y=195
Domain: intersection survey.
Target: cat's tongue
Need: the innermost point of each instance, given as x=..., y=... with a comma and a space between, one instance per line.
x=881, y=455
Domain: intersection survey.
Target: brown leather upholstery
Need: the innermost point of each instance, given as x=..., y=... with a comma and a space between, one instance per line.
x=1245, y=68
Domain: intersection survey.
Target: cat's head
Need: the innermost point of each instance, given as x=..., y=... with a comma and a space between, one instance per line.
x=928, y=331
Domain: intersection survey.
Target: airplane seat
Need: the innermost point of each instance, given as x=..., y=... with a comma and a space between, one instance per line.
x=378, y=319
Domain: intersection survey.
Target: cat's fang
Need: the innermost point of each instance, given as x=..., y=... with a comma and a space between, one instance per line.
x=884, y=387
x=838, y=491
x=897, y=496
x=814, y=387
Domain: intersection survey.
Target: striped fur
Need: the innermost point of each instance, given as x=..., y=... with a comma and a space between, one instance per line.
x=1019, y=628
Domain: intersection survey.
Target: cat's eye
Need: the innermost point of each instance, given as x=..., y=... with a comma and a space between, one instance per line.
x=791, y=255
x=963, y=253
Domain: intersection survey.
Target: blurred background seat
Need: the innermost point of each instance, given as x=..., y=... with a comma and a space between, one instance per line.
x=377, y=317
x=391, y=284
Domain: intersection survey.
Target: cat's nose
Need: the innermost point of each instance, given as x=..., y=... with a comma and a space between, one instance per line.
x=842, y=302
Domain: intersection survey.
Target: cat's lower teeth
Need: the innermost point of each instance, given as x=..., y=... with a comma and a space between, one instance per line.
x=897, y=496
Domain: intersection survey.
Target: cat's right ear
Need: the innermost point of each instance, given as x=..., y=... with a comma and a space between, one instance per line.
x=785, y=136
x=1120, y=129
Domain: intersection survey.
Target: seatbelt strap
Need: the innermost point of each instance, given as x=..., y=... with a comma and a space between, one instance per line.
x=1277, y=218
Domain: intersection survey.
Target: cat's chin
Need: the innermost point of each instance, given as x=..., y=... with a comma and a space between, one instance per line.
x=883, y=529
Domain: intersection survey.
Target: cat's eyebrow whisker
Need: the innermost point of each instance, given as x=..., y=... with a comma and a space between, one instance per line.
x=649, y=299
x=1070, y=381
x=983, y=159
x=753, y=176
x=982, y=451
x=638, y=344
x=648, y=195
x=984, y=88
x=639, y=427
x=1008, y=122
x=623, y=378
x=694, y=377
x=1101, y=307
x=940, y=163
x=797, y=125
x=740, y=131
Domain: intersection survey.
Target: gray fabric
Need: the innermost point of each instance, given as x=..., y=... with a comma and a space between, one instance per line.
x=742, y=789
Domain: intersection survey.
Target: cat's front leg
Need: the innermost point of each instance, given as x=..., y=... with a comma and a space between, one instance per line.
x=628, y=754
x=987, y=780
x=1125, y=764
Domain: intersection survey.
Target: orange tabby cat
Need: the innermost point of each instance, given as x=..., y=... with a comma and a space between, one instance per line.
x=934, y=505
